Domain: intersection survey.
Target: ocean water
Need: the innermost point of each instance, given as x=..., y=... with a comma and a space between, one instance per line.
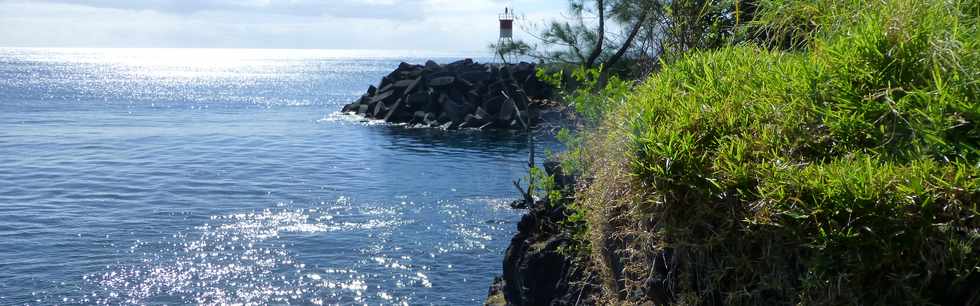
x=178, y=176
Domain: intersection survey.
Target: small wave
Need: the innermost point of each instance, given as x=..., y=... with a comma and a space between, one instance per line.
x=349, y=118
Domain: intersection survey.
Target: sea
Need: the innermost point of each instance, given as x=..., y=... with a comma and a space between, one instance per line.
x=228, y=176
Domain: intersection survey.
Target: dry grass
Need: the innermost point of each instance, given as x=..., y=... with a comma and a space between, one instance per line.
x=620, y=240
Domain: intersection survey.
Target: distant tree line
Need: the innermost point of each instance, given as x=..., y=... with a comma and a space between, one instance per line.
x=630, y=37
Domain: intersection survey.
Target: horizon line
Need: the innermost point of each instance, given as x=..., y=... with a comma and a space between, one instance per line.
x=241, y=48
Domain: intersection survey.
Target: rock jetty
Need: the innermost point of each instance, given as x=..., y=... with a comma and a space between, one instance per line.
x=463, y=94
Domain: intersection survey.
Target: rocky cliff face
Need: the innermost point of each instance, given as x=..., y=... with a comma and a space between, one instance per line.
x=538, y=268
x=462, y=94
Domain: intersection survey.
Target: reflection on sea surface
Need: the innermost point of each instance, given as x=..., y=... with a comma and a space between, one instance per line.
x=124, y=180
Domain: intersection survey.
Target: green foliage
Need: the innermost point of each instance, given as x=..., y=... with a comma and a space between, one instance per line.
x=585, y=36
x=593, y=98
x=589, y=92
x=555, y=79
x=544, y=186
x=700, y=24
x=844, y=170
x=571, y=158
x=793, y=24
x=595, y=95
x=576, y=224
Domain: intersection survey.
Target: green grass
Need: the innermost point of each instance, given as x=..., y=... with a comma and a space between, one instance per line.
x=843, y=170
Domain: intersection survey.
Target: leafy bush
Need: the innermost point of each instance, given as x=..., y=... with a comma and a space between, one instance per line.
x=589, y=92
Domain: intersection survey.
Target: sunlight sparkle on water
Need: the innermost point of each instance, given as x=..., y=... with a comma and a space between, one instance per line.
x=196, y=176
x=235, y=259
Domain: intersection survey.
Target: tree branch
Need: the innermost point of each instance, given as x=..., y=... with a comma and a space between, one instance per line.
x=628, y=43
x=601, y=32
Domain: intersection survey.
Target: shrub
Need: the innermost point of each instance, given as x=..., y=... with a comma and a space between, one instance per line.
x=588, y=92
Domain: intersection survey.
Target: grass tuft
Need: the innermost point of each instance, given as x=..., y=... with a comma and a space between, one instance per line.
x=843, y=168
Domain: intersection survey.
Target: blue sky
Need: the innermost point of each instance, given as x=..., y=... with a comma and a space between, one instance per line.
x=437, y=25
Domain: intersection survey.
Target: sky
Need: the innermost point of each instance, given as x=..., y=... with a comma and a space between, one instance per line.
x=435, y=25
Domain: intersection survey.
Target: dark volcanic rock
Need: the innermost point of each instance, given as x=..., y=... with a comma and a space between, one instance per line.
x=461, y=94
x=536, y=269
x=442, y=81
x=383, y=96
x=453, y=108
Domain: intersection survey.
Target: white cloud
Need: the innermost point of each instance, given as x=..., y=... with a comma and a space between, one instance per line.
x=335, y=8
x=439, y=25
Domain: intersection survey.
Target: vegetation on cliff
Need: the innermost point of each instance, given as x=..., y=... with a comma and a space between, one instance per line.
x=829, y=154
